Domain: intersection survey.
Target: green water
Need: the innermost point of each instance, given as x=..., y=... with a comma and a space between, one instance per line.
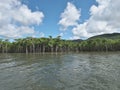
x=80, y=71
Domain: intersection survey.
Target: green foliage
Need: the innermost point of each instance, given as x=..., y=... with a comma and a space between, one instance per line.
x=41, y=45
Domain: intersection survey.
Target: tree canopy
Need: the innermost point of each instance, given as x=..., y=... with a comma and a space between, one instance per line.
x=42, y=45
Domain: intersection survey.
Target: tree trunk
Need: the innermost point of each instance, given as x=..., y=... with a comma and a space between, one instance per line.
x=52, y=49
x=43, y=49
x=6, y=48
x=56, y=49
x=33, y=46
x=26, y=50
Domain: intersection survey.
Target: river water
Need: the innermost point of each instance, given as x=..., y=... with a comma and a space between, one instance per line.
x=73, y=71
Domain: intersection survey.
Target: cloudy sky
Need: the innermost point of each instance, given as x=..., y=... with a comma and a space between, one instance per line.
x=72, y=19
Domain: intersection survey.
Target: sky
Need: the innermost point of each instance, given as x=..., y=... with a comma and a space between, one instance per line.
x=70, y=19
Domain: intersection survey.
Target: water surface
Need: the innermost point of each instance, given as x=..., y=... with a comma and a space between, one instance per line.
x=79, y=71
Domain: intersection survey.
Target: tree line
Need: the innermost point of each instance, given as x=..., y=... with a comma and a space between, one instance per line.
x=42, y=45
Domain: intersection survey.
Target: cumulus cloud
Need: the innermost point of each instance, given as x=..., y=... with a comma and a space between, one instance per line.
x=69, y=17
x=16, y=19
x=61, y=34
x=104, y=18
x=79, y=31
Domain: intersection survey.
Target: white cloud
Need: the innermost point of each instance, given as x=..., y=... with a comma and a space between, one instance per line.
x=16, y=19
x=80, y=31
x=70, y=16
x=104, y=18
x=61, y=34
x=12, y=31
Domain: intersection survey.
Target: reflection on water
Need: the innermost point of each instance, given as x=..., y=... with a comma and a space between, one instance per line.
x=83, y=71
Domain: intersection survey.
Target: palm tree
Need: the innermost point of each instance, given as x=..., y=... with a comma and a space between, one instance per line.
x=57, y=42
x=51, y=43
x=44, y=43
x=5, y=44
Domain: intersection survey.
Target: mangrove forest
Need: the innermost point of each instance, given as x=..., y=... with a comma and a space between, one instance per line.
x=42, y=45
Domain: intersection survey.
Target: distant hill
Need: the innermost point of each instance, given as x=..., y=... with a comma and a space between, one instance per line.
x=107, y=36
x=77, y=40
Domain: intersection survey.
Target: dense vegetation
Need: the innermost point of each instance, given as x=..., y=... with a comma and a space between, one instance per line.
x=42, y=45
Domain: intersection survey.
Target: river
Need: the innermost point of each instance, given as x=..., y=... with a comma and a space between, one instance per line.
x=68, y=71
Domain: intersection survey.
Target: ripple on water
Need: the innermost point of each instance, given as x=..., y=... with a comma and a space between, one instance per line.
x=85, y=71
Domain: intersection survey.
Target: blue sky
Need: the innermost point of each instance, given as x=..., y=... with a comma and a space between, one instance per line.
x=72, y=19
x=52, y=10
